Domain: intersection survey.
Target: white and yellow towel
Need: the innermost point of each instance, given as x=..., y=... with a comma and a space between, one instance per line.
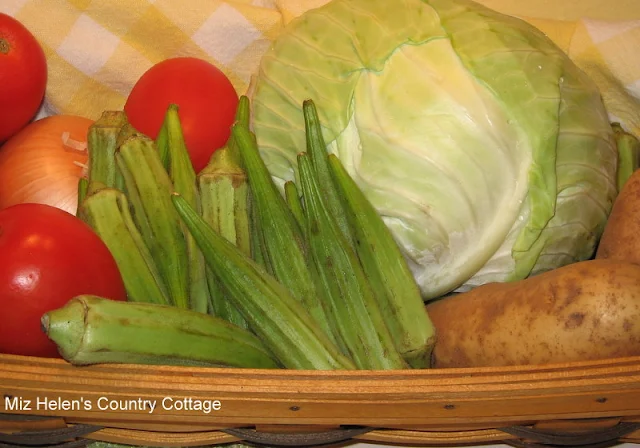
x=98, y=49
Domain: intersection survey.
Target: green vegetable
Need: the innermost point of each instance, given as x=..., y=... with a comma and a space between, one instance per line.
x=91, y=329
x=83, y=188
x=394, y=288
x=293, y=201
x=488, y=153
x=283, y=240
x=316, y=148
x=355, y=316
x=224, y=194
x=107, y=212
x=628, y=154
x=183, y=179
x=280, y=321
x=149, y=189
x=102, y=143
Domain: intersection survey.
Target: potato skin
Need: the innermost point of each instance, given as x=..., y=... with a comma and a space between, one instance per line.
x=621, y=237
x=583, y=311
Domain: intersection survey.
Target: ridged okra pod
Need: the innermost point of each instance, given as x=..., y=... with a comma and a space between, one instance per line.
x=149, y=188
x=394, y=286
x=293, y=201
x=224, y=194
x=126, y=132
x=628, y=154
x=183, y=178
x=317, y=150
x=354, y=314
x=284, y=244
x=83, y=189
x=106, y=211
x=91, y=330
x=273, y=314
x=256, y=239
x=162, y=144
x=102, y=143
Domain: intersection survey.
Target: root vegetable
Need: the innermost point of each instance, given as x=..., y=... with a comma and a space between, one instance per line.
x=621, y=237
x=583, y=311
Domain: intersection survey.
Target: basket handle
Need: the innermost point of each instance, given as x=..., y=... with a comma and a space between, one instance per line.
x=297, y=439
x=599, y=438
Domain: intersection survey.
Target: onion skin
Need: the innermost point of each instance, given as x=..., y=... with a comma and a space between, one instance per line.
x=36, y=166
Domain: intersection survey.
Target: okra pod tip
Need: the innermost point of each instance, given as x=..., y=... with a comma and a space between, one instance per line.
x=65, y=327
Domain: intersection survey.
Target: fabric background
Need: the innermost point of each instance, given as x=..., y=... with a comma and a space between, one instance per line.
x=97, y=49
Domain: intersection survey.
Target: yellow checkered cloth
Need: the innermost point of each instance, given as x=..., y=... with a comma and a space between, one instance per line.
x=98, y=49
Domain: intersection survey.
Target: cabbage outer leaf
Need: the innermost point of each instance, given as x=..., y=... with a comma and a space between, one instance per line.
x=487, y=152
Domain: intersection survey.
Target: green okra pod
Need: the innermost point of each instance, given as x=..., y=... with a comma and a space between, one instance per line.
x=273, y=314
x=106, y=211
x=83, y=188
x=183, y=179
x=102, y=143
x=224, y=193
x=293, y=200
x=393, y=284
x=91, y=330
x=160, y=226
x=282, y=237
x=354, y=314
x=628, y=154
x=317, y=150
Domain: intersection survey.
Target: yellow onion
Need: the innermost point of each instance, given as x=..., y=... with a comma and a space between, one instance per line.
x=44, y=161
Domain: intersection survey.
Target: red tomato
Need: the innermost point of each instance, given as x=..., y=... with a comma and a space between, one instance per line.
x=48, y=257
x=23, y=76
x=206, y=99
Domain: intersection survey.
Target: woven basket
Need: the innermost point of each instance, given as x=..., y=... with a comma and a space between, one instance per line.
x=593, y=404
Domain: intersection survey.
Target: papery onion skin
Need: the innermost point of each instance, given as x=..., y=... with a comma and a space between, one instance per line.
x=36, y=166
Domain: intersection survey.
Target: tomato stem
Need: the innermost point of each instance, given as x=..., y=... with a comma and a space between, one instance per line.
x=4, y=46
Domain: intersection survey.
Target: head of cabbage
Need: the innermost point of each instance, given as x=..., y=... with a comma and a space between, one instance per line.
x=488, y=153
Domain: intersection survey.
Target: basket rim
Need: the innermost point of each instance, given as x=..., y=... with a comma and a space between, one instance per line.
x=544, y=369
x=420, y=400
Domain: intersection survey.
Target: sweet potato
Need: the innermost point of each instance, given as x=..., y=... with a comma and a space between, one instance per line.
x=583, y=311
x=621, y=237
